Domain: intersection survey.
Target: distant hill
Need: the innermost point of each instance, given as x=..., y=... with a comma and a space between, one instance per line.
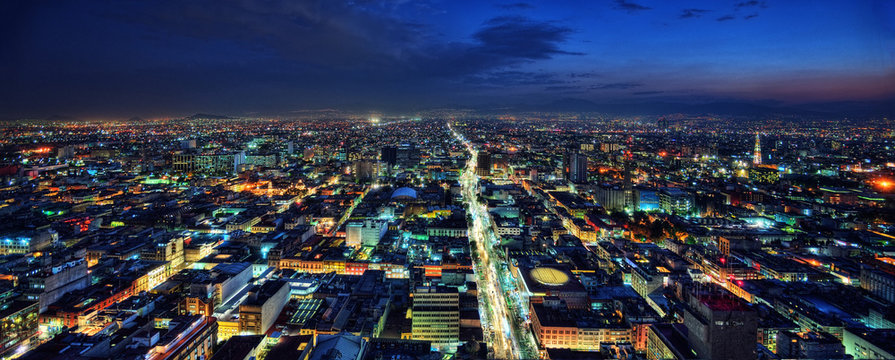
x=731, y=108
x=61, y=118
x=207, y=117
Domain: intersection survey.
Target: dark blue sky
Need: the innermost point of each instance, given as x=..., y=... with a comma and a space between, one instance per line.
x=121, y=58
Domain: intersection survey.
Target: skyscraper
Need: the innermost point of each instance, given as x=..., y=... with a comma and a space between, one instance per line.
x=720, y=325
x=436, y=316
x=756, y=155
x=389, y=155
x=483, y=163
x=628, y=183
x=575, y=166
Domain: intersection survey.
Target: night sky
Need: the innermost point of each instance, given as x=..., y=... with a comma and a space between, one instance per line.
x=122, y=58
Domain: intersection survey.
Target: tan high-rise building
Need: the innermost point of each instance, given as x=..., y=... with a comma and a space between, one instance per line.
x=436, y=316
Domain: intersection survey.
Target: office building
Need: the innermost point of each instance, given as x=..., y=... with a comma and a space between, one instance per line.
x=262, y=307
x=675, y=201
x=436, y=316
x=574, y=167
x=721, y=326
x=483, y=163
x=364, y=233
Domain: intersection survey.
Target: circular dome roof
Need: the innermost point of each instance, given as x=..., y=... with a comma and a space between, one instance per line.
x=404, y=192
x=549, y=276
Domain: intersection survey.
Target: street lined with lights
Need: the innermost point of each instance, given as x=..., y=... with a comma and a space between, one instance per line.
x=510, y=340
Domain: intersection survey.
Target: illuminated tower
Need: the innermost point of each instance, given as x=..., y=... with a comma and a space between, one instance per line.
x=756, y=156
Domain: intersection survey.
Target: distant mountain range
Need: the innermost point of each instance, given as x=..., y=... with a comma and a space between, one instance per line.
x=844, y=109
x=61, y=118
x=200, y=116
x=877, y=108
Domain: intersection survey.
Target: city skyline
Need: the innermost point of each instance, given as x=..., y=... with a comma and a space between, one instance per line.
x=447, y=180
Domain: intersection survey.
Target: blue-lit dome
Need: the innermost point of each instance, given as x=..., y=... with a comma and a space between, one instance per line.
x=404, y=193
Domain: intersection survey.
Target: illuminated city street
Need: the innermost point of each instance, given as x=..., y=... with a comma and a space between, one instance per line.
x=507, y=336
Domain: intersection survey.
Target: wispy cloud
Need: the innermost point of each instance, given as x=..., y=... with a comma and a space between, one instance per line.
x=725, y=18
x=584, y=75
x=615, y=86
x=630, y=6
x=692, y=13
x=517, y=6
x=563, y=88
x=752, y=3
x=514, y=78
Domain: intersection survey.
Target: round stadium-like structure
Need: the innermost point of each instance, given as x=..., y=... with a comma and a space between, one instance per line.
x=404, y=193
x=549, y=276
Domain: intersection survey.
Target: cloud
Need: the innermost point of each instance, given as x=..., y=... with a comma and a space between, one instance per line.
x=563, y=88
x=345, y=39
x=519, y=37
x=615, y=86
x=339, y=33
x=517, y=6
x=584, y=75
x=513, y=78
x=752, y=3
x=750, y=16
x=641, y=93
x=630, y=6
x=725, y=18
x=692, y=13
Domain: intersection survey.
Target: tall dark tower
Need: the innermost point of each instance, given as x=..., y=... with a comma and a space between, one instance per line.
x=756, y=155
x=629, y=186
x=389, y=155
x=574, y=166
x=483, y=163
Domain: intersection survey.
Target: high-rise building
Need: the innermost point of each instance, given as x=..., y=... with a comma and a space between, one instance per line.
x=405, y=156
x=366, y=233
x=262, y=307
x=720, y=325
x=610, y=197
x=675, y=201
x=628, y=182
x=363, y=171
x=483, y=163
x=436, y=316
x=389, y=155
x=575, y=167
x=756, y=155
x=408, y=156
